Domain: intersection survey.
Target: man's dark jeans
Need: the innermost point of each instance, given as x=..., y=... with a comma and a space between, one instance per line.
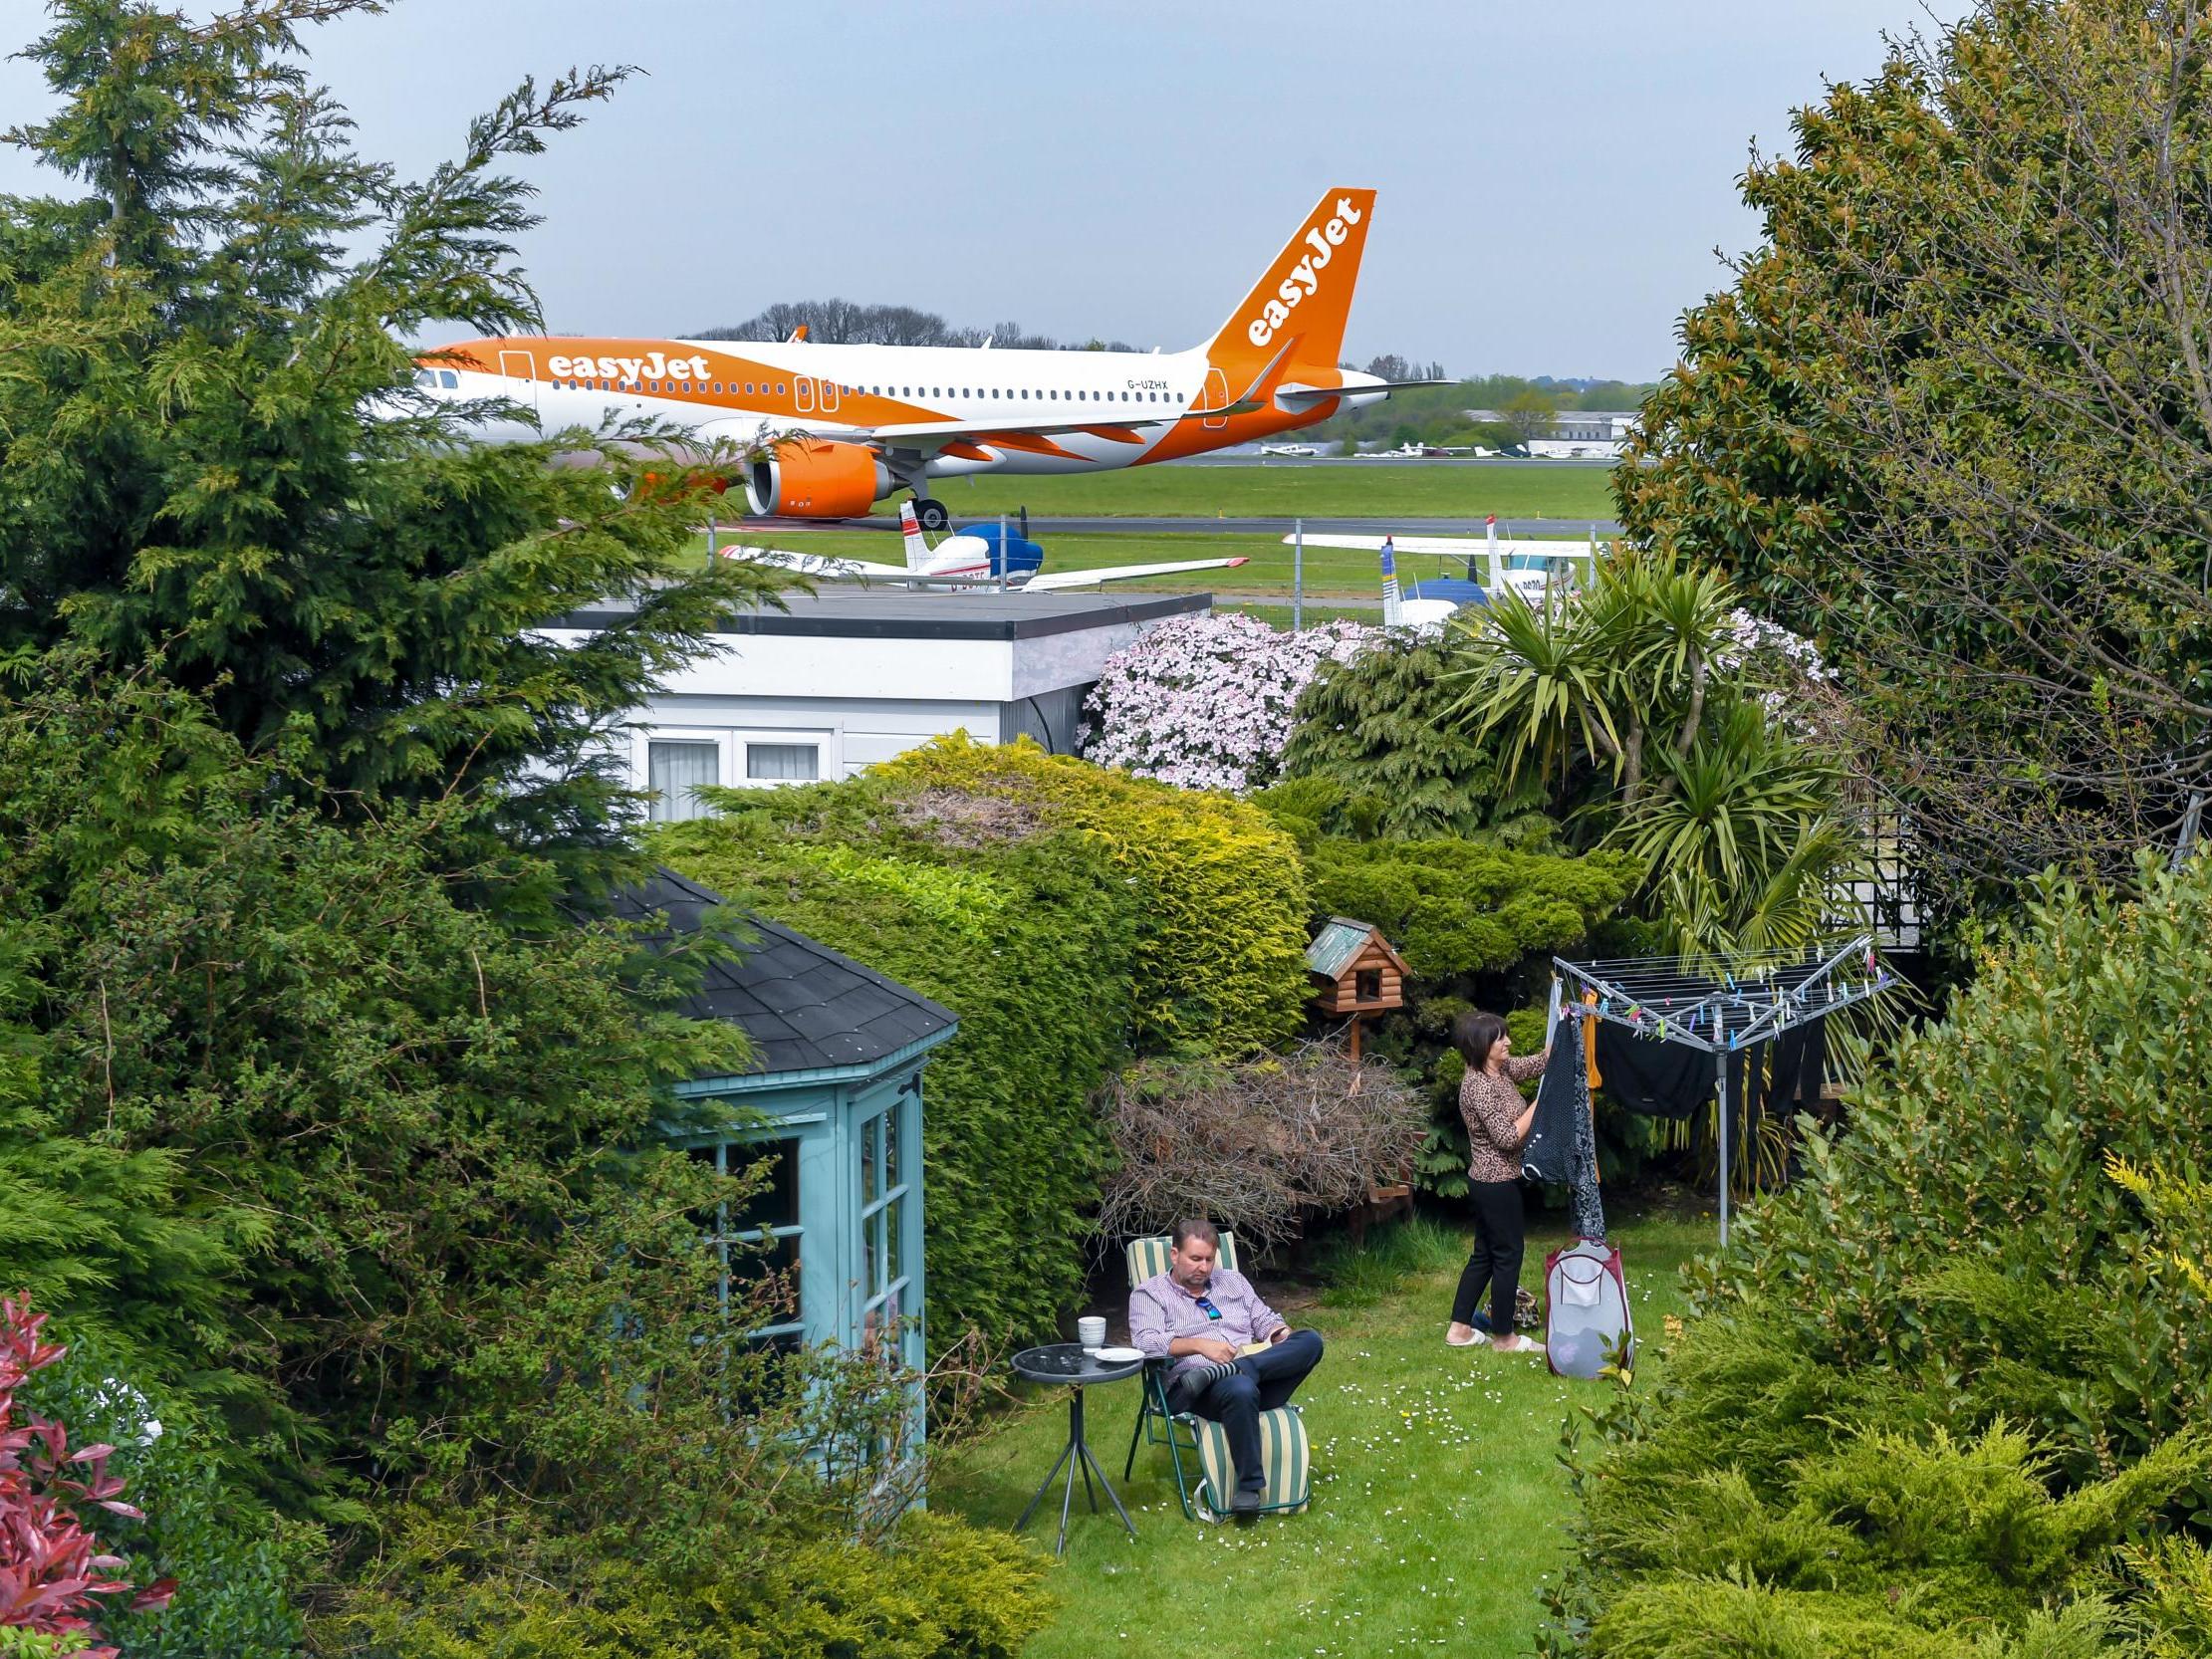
x=1261, y=1383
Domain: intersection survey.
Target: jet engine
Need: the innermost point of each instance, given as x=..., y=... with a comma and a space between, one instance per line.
x=810, y=479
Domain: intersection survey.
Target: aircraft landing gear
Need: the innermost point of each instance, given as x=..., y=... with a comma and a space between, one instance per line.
x=932, y=515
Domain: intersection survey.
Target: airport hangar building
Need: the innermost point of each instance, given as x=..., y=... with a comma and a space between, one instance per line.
x=849, y=676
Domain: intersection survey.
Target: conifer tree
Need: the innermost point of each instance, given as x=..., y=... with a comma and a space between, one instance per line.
x=1382, y=728
x=213, y=460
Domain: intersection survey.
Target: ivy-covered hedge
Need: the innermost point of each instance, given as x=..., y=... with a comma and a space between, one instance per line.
x=1938, y=1379
x=1068, y=914
x=1031, y=940
x=1221, y=942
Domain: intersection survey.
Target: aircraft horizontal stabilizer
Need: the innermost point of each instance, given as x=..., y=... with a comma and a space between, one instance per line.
x=1061, y=580
x=1294, y=392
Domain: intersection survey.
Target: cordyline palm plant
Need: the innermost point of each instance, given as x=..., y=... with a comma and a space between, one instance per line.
x=1650, y=735
x=1742, y=840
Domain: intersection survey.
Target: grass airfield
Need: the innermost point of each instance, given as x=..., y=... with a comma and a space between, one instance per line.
x=1575, y=495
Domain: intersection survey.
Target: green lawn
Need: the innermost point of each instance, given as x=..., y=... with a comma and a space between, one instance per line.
x=1439, y=1499
x=1328, y=570
x=1290, y=488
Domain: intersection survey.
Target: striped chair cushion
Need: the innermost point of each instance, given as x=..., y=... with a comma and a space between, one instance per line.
x=1148, y=1257
x=1282, y=1448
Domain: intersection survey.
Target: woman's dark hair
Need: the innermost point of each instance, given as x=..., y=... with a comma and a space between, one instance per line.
x=1476, y=1035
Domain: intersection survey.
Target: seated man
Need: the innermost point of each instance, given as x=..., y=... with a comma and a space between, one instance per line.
x=1204, y=1317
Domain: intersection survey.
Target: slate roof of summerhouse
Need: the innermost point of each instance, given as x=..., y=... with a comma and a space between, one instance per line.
x=805, y=1007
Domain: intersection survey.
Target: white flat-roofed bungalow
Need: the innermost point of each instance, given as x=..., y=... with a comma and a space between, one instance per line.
x=847, y=677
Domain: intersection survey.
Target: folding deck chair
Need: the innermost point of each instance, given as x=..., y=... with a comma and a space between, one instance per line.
x=1206, y=1487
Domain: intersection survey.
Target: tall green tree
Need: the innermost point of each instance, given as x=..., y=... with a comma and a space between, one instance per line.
x=292, y=1122
x=1955, y=418
x=213, y=459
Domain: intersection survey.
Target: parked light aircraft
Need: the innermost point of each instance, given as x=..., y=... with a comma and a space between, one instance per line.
x=1289, y=450
x=876, y=419
x=1525, y=567
x=976, y=557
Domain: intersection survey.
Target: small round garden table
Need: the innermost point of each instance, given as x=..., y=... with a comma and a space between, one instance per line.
x=1067, y=1363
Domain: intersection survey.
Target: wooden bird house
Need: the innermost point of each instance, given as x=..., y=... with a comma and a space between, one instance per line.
x=1355, y=971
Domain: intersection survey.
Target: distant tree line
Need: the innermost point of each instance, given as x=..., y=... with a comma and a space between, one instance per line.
x=847, y=323
x=1521, y=408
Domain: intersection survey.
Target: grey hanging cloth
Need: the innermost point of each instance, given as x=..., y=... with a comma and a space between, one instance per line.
x=1562, y=1148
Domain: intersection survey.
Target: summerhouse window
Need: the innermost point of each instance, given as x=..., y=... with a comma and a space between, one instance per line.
x=885, y=1183
x=737, y=1233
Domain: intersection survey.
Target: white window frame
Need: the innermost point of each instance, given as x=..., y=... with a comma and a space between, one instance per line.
x=827, y=739
x=644, y=737
x=822, y=741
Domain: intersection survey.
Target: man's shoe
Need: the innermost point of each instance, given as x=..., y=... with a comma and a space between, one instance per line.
x=1246, y=1503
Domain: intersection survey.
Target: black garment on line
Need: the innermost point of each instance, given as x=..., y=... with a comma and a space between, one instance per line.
x=1659, y=1079
x=1561, y=1147
x=1650, y=1075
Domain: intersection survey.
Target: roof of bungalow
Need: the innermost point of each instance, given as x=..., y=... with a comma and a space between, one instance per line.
x=805, y=1007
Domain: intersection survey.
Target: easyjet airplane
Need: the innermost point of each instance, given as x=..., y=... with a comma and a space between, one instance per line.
x=876, y=419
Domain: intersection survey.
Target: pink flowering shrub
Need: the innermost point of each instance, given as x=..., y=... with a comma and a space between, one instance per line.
x=1205, y=702
x=52, y=1571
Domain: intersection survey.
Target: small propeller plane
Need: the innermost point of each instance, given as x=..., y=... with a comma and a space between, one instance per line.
x=975, y=556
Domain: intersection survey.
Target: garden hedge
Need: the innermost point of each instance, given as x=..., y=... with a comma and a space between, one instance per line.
x=1942, y=1376
x=1455, y=907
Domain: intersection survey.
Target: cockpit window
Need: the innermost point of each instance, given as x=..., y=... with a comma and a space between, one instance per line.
x=448, y=380
x=423, y=378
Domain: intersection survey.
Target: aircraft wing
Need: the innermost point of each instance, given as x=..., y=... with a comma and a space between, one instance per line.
x=814, y=564
x=1457, y=547
x=938, y=434
x=1060, y=580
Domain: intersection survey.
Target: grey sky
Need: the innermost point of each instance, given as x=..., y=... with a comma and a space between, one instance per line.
x=1553, y=178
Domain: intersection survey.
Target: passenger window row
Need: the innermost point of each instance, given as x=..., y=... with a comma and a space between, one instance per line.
x=446, y=377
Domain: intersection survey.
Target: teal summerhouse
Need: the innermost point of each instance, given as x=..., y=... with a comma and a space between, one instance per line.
x=835, y=1100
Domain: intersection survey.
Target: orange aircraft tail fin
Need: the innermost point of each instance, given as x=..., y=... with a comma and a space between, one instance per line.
x=1306, y=290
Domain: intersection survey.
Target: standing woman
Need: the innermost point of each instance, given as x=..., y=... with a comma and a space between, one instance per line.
x=1496, y=1124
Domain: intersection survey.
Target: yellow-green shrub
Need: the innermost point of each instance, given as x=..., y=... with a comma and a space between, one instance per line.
x=1222, y=939
x=455, y=1586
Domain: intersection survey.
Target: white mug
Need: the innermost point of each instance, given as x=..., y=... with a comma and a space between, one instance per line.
x=1090, y=1332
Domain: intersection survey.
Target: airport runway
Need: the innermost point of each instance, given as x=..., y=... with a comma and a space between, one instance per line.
x=1252, y=459
x=1041, y=525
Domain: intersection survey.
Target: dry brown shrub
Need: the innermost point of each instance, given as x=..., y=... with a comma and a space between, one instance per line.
x=1256, y=1144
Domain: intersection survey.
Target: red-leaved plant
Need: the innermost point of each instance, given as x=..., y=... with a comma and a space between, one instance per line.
x=50, y=1569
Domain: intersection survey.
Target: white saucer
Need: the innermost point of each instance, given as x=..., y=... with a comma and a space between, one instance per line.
x=1116, y=1357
